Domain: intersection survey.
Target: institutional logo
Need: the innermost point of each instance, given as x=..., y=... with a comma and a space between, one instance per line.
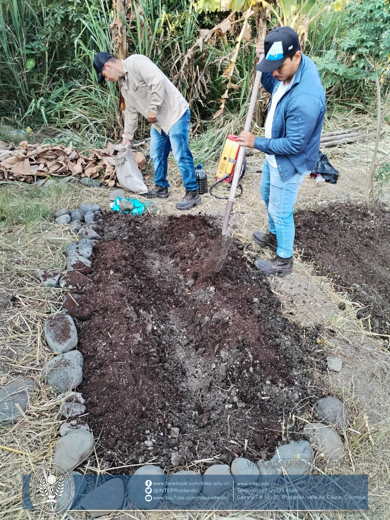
x=275, y=52
x=51, y=489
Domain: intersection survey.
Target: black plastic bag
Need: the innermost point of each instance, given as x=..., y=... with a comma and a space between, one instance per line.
x=324, y=167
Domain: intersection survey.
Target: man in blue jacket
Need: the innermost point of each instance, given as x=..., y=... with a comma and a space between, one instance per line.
x=291, y=143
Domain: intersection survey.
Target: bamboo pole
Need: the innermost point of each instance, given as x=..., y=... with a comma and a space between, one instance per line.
x=339, y=132
x=325, y=139
x=346, y=140
x=247, y=127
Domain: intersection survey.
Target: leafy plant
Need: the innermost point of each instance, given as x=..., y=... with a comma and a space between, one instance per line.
x=367, y=39
x=382, y=176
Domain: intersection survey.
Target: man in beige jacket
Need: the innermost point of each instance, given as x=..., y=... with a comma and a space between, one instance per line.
x=147, y=91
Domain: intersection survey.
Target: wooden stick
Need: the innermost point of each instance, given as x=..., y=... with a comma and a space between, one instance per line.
x=339, y=132
x=346, y=140
x=338, y=137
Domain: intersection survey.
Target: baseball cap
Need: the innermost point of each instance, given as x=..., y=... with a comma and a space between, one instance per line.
x=98, y=63
x=279, y=44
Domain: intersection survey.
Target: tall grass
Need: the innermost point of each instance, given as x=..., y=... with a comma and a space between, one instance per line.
x=323, y=47
x=18, y=23
x=47, y=78
x=27, y=207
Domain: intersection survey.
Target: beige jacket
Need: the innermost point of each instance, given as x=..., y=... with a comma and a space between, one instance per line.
x=145, y=88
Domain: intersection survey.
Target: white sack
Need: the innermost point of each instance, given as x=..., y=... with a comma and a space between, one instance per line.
x=127, y=172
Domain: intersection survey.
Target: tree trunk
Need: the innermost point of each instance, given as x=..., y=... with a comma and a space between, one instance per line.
x=370, y=197
x=262, y=16
x=119, y=42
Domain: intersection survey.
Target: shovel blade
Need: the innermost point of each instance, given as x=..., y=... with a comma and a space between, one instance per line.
x=220, y=251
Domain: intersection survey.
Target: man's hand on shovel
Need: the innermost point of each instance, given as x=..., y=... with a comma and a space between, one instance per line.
x=247, y=139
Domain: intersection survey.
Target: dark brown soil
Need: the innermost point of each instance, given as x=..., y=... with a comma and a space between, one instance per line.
x=352, y=244
x=168, y=345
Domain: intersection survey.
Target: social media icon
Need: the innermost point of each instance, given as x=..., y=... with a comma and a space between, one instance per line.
x=148, y=483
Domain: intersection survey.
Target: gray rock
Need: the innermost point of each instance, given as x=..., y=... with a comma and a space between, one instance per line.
x=63, y=211
x=332, y=411
x=71, y=396
x=49, y=182
x=189, y=481
x=335, y=364
x=175, y=433
x=92, y=183
x=126, y=205
x=89, y=207
x=213, y=486
x=136, y=487
x=63, y=219
x=48, y=278
x=73, y=262
x=117, y=194
x=86, y=243
x=80, y=486
x=90, y=217
x=69, y=410
x=89, y=233
x=73, y=280
x=75, y=226
x=70, y=249
x=244, y=471
x=65, y=372
x=77, y=214
x=109, y=496
x=84, y=248
x=295, y=458
x=176, y=459
x=13, y=394
x=69, y=180
x=61, y=333
x=326, y=440
x=72, y=449
x=72, y=426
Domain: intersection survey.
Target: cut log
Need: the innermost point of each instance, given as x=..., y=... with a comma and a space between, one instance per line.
x=339, y=132
x=324, y=139
x=346, y=140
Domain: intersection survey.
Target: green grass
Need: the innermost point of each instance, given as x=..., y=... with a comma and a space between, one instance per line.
x=29, y=204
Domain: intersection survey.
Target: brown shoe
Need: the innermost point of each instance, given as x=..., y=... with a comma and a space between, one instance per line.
x=277, y=265
x=191, y=198
x=157, y=191
x=265, y=240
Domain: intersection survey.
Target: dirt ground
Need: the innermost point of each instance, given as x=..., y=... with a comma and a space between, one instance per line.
x=306, y=299
x=182, y=347
x=351, y=244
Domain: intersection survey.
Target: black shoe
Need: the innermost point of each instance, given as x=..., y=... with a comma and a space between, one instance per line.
x=277, y=265
x=159, y=192
x=191, y=198
x=265, y=240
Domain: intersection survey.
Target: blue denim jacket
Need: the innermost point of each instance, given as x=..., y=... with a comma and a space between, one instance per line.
x=297, y=123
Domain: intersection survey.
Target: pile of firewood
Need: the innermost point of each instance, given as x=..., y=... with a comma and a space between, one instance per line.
x=29, y=162
x=329, y=139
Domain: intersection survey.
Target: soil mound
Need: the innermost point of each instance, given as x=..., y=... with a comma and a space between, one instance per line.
x=182, y=364
x=351, y=244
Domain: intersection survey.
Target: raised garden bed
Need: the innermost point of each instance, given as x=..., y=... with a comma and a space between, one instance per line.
x=182, y=364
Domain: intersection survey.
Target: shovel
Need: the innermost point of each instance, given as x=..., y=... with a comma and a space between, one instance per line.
x=221, y=247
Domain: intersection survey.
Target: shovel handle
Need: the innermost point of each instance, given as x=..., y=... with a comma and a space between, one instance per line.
x=241, y=153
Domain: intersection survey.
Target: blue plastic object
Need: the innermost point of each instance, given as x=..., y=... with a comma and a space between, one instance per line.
x=139, y=207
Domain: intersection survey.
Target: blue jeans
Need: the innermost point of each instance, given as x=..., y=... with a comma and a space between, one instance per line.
x=280, y=197
x=176, y=140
